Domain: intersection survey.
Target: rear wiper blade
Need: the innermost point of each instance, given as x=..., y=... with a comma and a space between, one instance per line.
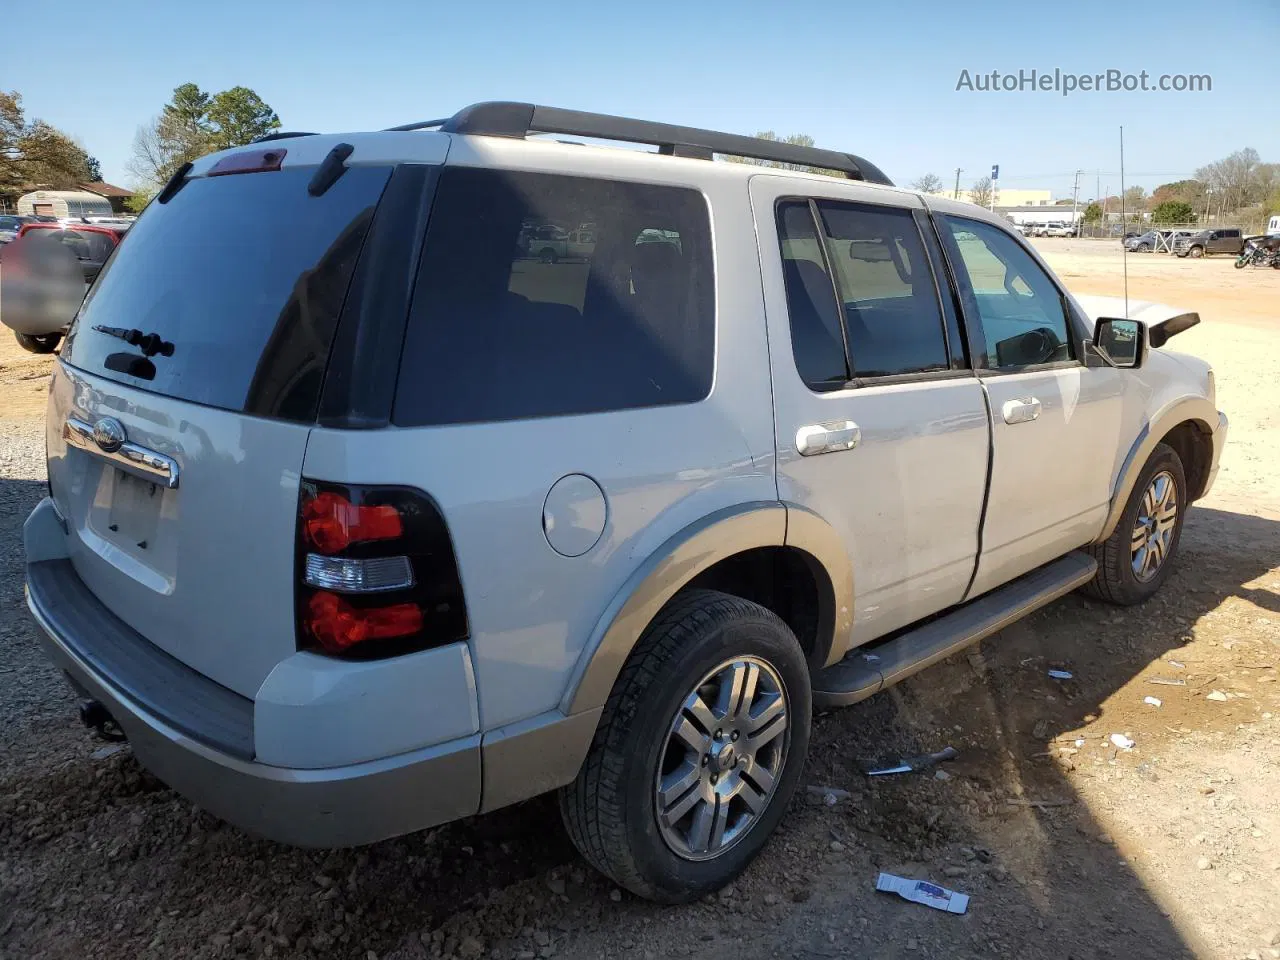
x=151, y=344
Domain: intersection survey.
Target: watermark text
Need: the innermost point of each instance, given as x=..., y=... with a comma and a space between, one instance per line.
x=1064, y=83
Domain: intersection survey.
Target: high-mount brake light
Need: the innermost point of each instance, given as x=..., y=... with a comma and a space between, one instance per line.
x=332, y=523
x=249, y=161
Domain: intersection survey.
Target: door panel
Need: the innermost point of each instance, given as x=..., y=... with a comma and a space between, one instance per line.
x=1055, y=422
x=1050, y=474
x=898, y=469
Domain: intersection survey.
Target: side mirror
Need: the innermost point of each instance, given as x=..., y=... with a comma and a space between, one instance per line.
x=1122, y=342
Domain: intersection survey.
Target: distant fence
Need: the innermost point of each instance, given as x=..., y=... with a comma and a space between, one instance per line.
x=1113, y=229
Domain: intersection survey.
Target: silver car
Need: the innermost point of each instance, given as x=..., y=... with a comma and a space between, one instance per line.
x=362, y=519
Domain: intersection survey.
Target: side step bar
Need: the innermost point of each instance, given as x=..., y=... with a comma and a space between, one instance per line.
x=868, y=670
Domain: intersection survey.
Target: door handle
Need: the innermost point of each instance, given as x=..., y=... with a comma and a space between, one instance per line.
x=1021, y=410
x=829, y=437
x=129, y=457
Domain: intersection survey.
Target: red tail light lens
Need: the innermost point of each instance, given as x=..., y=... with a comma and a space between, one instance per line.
x=332, y=523
x=338, y=625
x=377, y=575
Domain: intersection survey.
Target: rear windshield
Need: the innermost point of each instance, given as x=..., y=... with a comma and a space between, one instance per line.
x=544, y=295
x=244, y=276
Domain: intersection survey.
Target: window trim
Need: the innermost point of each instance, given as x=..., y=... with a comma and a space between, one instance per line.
x=971, y=317
x=855, y=382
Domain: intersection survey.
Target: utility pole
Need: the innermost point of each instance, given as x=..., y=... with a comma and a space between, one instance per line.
x=1075, y=195
x=957, y=193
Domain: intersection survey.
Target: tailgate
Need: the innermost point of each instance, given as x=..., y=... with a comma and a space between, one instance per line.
x=181, y=407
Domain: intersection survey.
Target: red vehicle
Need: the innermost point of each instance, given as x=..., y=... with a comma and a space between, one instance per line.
x=92, y=244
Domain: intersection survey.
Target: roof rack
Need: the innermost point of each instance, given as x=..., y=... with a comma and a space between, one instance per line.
x=282, y=135
x=517, y=120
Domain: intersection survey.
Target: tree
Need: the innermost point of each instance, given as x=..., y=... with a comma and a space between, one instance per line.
x=1092, y=213
x=194, y=123
x=929, y=183
x=94, y=168
x=1188, y=191
x=238, y=116
x=795, y=139
x=139, y=200
x=1173, y=211
x=35, y=154
x=982, y=192
x=1135, y=199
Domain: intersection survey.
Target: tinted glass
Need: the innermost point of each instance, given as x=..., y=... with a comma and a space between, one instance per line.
x=543, y=295
x=245, y=275
x=816, y=340
x=87, y=244
x=1024, y=320
x=893, y=322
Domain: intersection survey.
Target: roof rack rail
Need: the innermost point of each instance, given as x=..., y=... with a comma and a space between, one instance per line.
x=282, y=135
x=509, y=119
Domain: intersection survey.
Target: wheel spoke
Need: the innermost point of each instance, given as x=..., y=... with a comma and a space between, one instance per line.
x=772, y=707
x=720, y=823
x=1140, y=559
x=759, y=775
x=693, y=738
x=748, y=691
x=703, y=821
x=1139, y=534
x=697, y=708
x=684, y=791
x=731, y=683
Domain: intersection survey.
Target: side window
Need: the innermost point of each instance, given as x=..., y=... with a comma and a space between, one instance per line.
x=1024, y=318
x=816, y=341
x=545, y=295
x=893, y=323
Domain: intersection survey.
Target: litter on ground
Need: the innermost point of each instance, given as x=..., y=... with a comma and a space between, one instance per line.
x=1154, y=701
x=1121, y=741
x=921, y=891
x=1061, y=674
x=916, y=764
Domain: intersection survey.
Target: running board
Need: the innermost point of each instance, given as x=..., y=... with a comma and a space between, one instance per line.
x=866, y=671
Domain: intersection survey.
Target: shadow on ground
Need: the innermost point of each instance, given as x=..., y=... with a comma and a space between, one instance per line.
x=98, y=858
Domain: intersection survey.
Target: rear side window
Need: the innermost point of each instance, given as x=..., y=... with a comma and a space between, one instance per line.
x=817, y=342
x=893, y=322
x=545, y=295
x=245, y=276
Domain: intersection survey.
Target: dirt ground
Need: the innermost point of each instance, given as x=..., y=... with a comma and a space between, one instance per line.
x=1067, y=845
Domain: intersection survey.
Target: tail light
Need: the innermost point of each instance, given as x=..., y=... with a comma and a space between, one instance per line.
x=377, y=575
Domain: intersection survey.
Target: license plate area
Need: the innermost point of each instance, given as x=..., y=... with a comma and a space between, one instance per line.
x=133, y=516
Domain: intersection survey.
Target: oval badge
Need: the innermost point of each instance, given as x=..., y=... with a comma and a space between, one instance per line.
x=109, y=434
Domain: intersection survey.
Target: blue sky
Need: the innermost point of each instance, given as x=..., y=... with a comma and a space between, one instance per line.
x=878, y=79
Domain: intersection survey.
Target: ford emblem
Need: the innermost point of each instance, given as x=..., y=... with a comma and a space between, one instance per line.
x=109, y=434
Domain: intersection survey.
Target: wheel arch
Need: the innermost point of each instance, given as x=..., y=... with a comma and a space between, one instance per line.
x=1186, y=425
x=722, y=549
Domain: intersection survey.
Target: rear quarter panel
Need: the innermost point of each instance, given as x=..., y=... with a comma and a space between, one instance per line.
x=531, y=611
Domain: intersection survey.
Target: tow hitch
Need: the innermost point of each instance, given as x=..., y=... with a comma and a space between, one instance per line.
x=94, y=715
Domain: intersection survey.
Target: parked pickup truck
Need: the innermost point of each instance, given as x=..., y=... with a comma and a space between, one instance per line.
x=1209, y=241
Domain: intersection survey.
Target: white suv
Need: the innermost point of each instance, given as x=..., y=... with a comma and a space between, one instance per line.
x=365, y=515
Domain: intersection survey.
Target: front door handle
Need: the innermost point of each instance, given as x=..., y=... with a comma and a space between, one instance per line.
x=816, y=438
x=1021, y=410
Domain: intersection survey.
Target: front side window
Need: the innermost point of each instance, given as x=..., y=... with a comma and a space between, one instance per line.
x=1024, y=317
x=545, y=295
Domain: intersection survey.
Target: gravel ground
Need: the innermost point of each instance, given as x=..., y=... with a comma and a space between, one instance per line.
x=1068, y=846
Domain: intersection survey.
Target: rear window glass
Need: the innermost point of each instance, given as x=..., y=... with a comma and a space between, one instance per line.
x=543, y=295
x=245, y=276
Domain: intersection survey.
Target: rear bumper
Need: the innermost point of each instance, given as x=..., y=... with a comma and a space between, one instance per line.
x=204, y=749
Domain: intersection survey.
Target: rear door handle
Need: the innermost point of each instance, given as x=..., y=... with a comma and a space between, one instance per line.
x=129, y=457
x=829, y=437
x=1021, y=410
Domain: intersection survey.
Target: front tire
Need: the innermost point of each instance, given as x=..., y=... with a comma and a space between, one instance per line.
x=665, y=807
x=1135, y=560
x=1196, y=252
x=39, y=344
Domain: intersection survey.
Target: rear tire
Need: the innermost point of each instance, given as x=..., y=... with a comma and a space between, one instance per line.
x=656, y=747
x=1135, y=560
x=1196, y=252
x=39, y=344
x=1143, y=248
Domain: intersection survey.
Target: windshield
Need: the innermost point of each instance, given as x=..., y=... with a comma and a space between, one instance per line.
x=245, y=276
